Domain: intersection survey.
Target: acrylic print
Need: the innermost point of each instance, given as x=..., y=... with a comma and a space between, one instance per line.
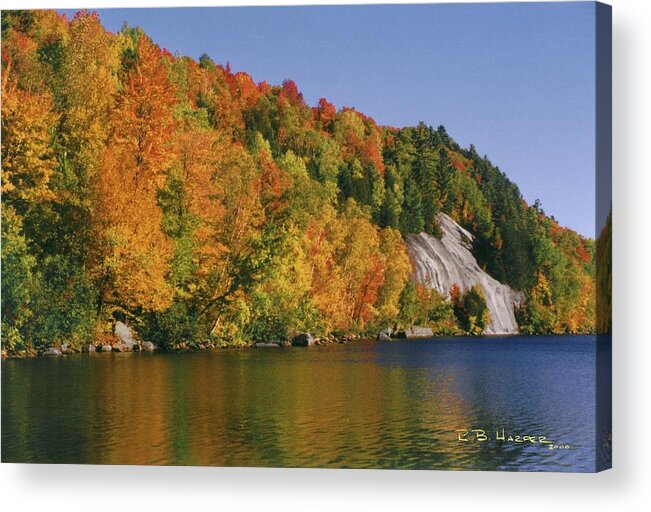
x=321, y=236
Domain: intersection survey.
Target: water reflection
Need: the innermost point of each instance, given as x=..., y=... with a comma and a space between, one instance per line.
x=380, y=405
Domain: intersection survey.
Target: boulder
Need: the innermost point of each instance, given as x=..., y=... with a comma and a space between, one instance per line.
x=148, y=346
x=268, y=344
x=383, y=336
x=421, y=332
x=106, y=348
x=304, y=339
x=415, y=332
x=124, y=334
x=441, y=263
x=89, y=347
x=52, y=351
x=123, y=347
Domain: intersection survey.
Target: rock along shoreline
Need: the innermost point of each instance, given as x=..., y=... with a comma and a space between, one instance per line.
x=300, y=340
x=124, y=341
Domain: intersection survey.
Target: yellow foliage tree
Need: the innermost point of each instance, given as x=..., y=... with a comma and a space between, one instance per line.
x=324, y=239
x=28, y=160
x=88, y=85
x=396, y=273
x=132, y=260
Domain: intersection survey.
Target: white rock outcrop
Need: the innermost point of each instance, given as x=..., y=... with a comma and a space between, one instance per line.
x=441, y=263
x=124, y=334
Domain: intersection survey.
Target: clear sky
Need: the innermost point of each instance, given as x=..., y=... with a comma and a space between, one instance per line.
x=514, y=79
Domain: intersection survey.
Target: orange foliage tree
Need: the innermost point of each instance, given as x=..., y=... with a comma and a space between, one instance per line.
x=132, y=260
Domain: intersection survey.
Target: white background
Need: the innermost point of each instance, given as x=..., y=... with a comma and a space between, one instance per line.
x=626, y=487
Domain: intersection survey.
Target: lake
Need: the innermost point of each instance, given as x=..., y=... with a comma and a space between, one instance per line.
x=396, y=404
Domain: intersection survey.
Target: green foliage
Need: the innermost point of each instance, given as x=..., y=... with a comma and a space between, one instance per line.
x=174, y=325
x=471, y=310
x=18, y=280
x=419, y=306
x=63, y=305
x=411, y=312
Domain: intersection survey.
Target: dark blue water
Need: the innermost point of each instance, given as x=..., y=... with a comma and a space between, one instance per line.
x=402, y=404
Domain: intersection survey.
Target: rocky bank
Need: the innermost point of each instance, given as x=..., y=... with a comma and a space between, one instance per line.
x=441, y=263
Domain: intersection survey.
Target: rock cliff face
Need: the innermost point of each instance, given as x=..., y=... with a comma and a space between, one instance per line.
x=441, y=263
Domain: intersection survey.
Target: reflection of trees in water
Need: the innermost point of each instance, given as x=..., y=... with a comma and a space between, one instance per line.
x=397, y=404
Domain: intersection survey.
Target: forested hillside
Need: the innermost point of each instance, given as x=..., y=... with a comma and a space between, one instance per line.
x=195, y=203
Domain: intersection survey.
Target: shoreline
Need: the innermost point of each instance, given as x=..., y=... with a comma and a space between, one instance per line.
x=185, y=347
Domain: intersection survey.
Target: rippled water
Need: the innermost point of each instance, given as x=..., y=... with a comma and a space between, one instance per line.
x=373, y=405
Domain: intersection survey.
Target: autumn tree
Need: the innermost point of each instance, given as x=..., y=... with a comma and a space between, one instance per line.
x=396, y=274
x=88, y=84
x=131, y=262
x=28, y=158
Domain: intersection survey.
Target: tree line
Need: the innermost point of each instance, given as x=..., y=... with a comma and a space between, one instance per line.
x=195, y=203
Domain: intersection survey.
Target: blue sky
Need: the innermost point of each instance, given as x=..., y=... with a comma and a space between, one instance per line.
x=514, y=79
